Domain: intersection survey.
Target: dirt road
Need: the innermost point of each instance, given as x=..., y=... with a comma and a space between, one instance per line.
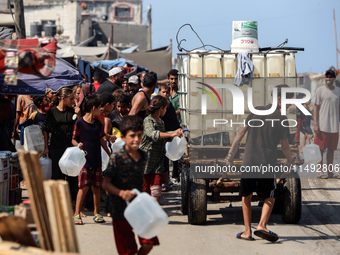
x=318, y=232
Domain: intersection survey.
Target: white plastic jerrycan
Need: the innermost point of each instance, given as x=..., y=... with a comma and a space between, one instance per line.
x=176, y=148
x=72, y=161
x=117, y=145
x=105, y=159
x=312, y=154
x=145, y=215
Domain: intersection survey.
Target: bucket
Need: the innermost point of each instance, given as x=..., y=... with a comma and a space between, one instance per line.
x=312, y=154
x=145, y=215
x=244, y=36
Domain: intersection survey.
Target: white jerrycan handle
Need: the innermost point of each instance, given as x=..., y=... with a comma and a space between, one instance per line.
x=134, y=190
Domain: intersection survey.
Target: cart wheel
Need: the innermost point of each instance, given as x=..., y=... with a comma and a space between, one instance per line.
x=184, y=189
x=291, y=206
x=197, y=213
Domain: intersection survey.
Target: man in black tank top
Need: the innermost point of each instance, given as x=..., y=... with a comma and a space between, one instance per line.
x=140, y=102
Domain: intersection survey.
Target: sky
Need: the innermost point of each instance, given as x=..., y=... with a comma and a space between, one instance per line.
x=307, y=24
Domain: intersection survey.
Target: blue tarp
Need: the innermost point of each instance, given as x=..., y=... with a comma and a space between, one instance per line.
x=63, y=75
x=109, y=64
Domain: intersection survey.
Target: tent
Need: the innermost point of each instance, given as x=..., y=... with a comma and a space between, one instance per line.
x=90, y=54
x=157, y=60
x=63, y=75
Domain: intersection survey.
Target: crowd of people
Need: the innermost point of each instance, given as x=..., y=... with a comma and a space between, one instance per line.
x=92, y=116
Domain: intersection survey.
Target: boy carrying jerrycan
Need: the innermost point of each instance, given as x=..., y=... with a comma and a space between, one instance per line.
x=125, y=173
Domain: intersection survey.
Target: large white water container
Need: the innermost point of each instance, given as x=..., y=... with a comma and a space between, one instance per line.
x=176, y=148
x=258, y=62
x=229, y=65
x=275, y=65
x=312, y=154
x=145, y=215
x=281, y=64
x=117, y=145
x=195, y=64
x=72, y=161
x=290, y=67
x=244, y=35
x=213, y=65
x=34, y=139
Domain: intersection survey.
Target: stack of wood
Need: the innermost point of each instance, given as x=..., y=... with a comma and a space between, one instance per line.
x=51, y=206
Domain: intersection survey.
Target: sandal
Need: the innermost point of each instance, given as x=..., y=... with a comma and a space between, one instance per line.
x=77, y=220
x=166, y=189
x=98, y=219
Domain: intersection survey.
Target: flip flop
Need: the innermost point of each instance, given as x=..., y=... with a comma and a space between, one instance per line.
x=269, y=236
x=322, y=176
x=77, y=220
x=98, y=219
x=238, y=236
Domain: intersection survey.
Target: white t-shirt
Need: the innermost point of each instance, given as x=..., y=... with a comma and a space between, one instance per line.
x=329, y=101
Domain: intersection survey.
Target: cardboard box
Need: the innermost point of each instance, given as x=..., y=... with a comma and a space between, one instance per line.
x=4, y=175
x=15, y=196
x=13, y=182
x=13, y=170
x=4, y=163
x=4, y=196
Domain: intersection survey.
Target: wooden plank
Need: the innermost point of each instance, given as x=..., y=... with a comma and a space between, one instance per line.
x=51, y=212
x=38, y=177
x=57, y=215
x=25, y=163
x=33, y=176
x=12, y=248
x=67, y=216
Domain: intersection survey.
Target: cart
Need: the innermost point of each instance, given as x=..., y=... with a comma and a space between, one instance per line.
x=207, y=109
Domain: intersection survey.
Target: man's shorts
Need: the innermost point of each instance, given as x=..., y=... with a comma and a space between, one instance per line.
x=90, y=176
x=125, y=238
x=327, y=140
x=264, y=188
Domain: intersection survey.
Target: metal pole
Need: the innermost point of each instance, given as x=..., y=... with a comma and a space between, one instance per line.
x=149, y=30
x=20, y=18
x=336, y=42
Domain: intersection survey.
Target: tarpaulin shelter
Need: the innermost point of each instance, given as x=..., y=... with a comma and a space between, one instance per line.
x=34, y=57
x=90, y=54
x=129, y=67
x=157, y=60
x=64, y=75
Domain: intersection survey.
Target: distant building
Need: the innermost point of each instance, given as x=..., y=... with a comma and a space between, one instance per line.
x=78, y=20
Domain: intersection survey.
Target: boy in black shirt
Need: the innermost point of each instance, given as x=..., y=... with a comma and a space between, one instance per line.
x=124, y=173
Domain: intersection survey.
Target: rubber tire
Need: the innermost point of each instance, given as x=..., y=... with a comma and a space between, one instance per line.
x=184, y=190
x=197, y=214
x=291, y=206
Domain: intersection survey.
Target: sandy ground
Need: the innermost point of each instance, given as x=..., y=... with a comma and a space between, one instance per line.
x=318, y=231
